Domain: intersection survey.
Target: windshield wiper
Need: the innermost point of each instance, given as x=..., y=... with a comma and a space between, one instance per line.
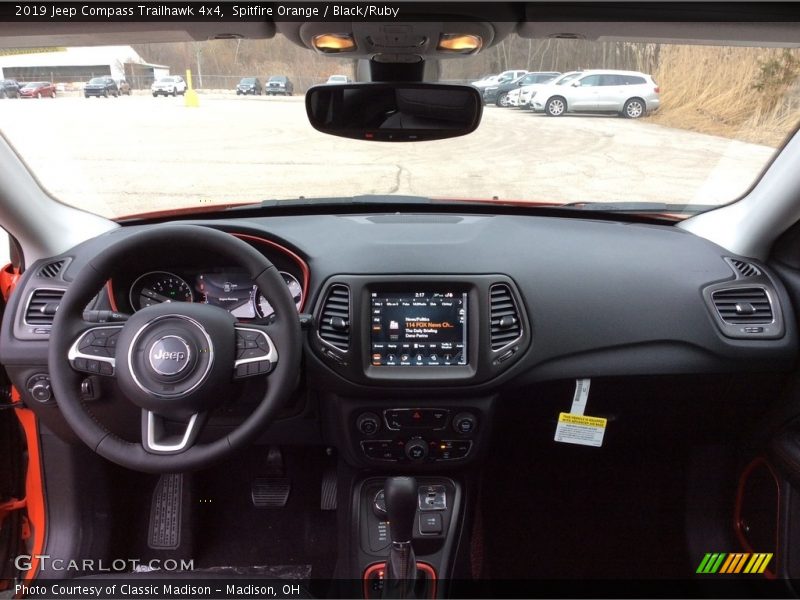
x=346, y=200
x=640, y=207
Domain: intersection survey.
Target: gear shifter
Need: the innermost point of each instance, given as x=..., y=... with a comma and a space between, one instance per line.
x=401, y=566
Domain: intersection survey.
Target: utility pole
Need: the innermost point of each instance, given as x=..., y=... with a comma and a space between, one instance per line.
x=199, y=51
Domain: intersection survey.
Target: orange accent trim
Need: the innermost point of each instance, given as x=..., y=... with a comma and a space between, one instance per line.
x=425, y=567
x=244, y=236
x=9, y=276
x=299, y=261
x=111, y=300
x=34, y=486
x=737, y=511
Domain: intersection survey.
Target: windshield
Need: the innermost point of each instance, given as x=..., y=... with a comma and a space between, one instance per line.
x=97, y=80
x=698, y=132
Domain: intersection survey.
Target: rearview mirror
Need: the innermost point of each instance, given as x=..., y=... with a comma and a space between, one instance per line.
x=394, y=112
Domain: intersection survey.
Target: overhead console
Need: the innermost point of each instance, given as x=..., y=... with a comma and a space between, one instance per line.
x=382, y=330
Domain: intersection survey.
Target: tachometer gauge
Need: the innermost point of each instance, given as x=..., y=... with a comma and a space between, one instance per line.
x=157, y=287
x=264, y=309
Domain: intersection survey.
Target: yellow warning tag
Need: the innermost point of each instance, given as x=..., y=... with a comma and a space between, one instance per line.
x=580, y=429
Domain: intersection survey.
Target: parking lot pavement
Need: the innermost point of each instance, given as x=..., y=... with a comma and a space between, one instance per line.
x=120, y=156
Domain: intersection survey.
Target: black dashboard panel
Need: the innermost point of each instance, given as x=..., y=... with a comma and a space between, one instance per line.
x=596, y=297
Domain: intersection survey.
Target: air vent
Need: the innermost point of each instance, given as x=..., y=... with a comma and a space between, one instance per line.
x=743, y=305
x=42, y=306
x=51, y=270
x=334, y=322
x=504, y=316
x=745, y=269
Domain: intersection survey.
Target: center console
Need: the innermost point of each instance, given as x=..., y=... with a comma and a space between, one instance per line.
x=434, y=519
x=378, y=334
x=399, y=362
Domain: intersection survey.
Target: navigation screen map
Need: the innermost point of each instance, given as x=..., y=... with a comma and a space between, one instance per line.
x=418, y=329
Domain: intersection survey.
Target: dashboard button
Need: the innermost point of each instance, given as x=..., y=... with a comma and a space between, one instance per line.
x=430, y=523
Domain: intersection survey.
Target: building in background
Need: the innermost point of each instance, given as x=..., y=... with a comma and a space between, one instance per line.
x=75, y=66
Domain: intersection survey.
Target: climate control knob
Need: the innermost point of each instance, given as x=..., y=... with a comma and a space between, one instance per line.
x=416, y=449
x=368, y=423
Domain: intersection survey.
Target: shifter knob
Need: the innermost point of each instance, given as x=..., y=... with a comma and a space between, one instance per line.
x=401, y=507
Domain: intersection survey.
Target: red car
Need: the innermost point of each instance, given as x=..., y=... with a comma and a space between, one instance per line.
x=37, y=89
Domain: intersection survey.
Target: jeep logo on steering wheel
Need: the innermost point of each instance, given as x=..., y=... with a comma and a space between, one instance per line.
x=169, y=355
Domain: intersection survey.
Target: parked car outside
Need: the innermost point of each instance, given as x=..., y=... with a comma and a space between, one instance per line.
x=101, y=86
x=9, y=88
x=500, y=78
x=512, y=98
x=630, y=94
x=169, y=86
x=498, y=93
x=38, y=89
x=249, y=85
x=527, y=92
x=338, y=79
x=279, y=84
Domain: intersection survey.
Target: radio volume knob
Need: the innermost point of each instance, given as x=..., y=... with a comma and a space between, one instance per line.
x=464, y=423
x=368, y=423
x=416, y=449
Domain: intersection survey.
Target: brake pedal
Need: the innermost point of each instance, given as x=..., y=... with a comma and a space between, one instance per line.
x=166, y=513
x=270, y=492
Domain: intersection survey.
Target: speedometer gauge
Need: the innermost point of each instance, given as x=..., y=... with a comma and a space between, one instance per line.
x=264, y=308
x=157, y=287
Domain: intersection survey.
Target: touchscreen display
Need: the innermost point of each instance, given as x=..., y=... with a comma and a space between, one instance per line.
x=418, y=329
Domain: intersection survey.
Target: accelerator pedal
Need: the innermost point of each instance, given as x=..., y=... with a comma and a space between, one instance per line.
x=166, y=513
x=328, y=492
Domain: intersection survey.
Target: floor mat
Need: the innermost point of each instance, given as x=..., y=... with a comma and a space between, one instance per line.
x=228, y=531
x=231, y=531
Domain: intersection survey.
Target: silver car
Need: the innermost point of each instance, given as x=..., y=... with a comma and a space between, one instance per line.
x=628, y=93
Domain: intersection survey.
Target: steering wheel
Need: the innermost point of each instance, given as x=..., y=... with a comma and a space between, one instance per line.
x=176, y=361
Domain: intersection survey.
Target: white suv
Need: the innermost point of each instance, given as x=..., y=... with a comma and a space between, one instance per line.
x=500, y=78
x=169, y=86
x=629, y=93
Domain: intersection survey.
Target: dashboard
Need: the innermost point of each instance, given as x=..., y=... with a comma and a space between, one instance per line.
x=415, y=323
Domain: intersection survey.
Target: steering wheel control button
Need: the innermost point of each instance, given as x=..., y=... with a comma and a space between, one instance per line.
x=464, y=423
x=368, y=423
x=95, y=351
x=255, y=353
x=170, y=355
